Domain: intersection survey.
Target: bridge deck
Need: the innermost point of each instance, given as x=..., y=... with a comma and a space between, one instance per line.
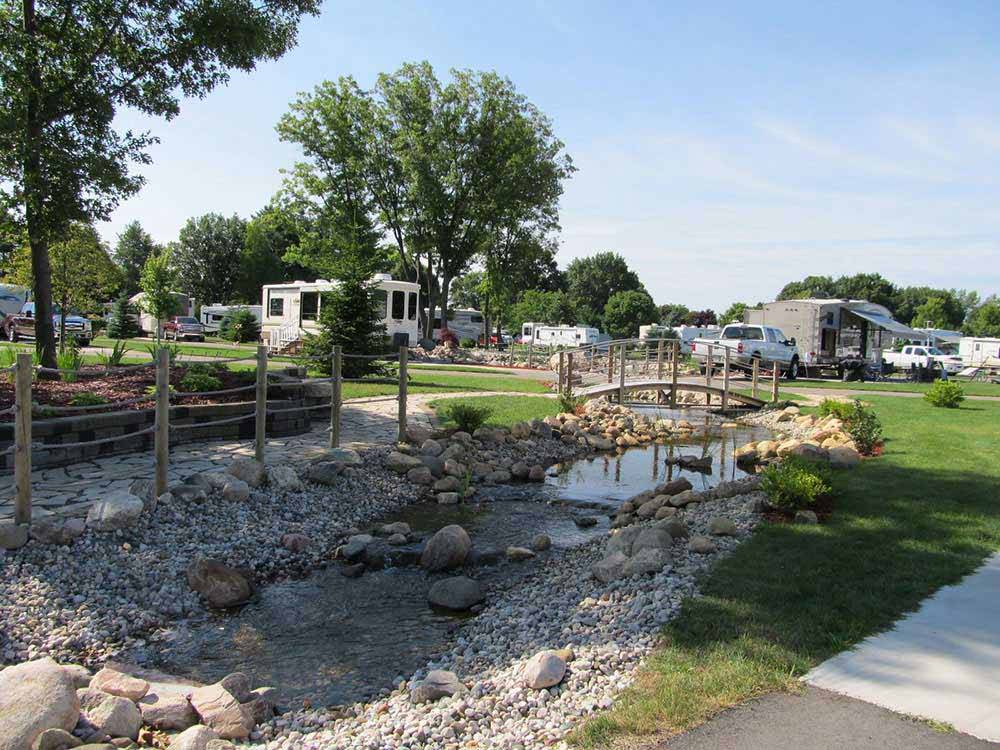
x=604, y=389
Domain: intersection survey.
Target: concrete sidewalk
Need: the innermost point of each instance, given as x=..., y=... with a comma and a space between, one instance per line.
x=942, y=662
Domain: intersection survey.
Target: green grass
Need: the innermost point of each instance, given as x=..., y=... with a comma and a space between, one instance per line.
x=920, y=517
x=459, y=368
x=971, y=388
x=434, y=381
x=504, y=410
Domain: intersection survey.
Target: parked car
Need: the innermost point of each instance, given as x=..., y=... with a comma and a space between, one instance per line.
x=22, y=325
x=183, y=327
x=746, y=343
x=926, y=357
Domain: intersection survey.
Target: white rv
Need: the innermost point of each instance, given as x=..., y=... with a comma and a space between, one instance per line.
x=292, y=310
x=465, y=323
x=545, y=335
x=211, y=315
x=979, y=351
x=12, y=298
x=147, y=323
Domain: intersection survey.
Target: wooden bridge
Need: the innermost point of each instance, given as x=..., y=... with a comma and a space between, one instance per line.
x=617, y=368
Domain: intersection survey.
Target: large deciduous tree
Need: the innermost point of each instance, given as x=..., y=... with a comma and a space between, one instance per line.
x=270, y=235
x=626, y=311
x=985, y=319
x=131, y=252
x=551, y=308
x=207, y=256
x=66, y=68
x=673, y=314
x=594, y=279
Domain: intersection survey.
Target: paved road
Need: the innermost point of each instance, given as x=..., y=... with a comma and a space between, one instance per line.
x=817, y=720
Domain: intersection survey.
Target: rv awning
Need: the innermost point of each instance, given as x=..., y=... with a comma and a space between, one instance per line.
x=885, y=322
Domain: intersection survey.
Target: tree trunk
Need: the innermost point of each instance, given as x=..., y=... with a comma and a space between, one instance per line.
x=445, y=283
x=429, y=323
x=45, y=340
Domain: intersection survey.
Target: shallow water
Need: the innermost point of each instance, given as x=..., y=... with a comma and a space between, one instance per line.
x=332, y=640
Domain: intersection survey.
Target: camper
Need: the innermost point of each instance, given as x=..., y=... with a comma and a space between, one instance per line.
x=12, y=299
x=833, y=334
x=465, y=323
x=147, y=323
x=292, y=310
x=541, y=334
x=978, y=351
x=211, y=315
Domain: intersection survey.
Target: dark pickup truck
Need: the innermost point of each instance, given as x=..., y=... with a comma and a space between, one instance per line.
x=21, y=325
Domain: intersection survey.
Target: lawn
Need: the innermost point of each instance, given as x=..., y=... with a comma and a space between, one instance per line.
x=920, y=517
x=435, y=381
x=504, y=410
x=971, y=388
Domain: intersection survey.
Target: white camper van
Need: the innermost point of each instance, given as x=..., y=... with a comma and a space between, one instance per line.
x=465, y=323
x=979, y=351
x=292, y=310
x=211, y=315
x=545, y=335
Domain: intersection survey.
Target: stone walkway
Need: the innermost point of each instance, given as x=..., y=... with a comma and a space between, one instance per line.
x=72, y=489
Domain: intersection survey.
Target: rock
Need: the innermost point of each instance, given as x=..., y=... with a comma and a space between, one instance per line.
x=342, y=457
x=397, y=540
x=355, y=548
x=519, y=470
x=118, y=511
x=447, y=549
x=295, y=542
x=431, y=447
x=57, y=531
x=746, y=453
x=541, y=542
x=454, y=468
x=447, y=484
x=248, y=470
x=438, y=684
x=220, y=711
x=683, y=498
x=448, y=498
x=722, y=526
x=79, y=674
x=417, y=434
x=647, y=560
x=673, y=526
x=806, y=517
x=701, y=545
x=457, y=593
x=519, y=554
x=725, y=490
x=116, y=717
x=35, y=696
x=520, y=430
x=673, y=487
x=611, y=568
x=585, y=522
x=284, y=479
x=396, y=527
x=401, y=463
x=536, y=473
x=599, y=443
x=843, y=457
x=167, y=711
x=544, y=670
x=55, y=739
x=352, y=571
x=236, y=491
x=498, y=476
x=195, y=738
x=220, y=585
x=237, y=683
x=420, y=475
x=220, y=745
x=113, y=682
x=13, y=536
x=809, y=451
x=324, y=472
x=667, y=511
x=434, y=464
x=652, y=538
x=622, y=541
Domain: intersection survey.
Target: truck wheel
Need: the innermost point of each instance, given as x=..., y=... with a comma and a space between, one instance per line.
x=12, y=334
x=793, y=369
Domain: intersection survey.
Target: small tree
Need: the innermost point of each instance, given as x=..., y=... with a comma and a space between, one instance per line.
x=122, y=324
x=157, y=282
x=240, y=326
x=349, y=316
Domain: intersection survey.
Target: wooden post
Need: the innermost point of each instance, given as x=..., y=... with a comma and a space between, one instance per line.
x=621, y=378
x=659, y=360
x=22, y=438
x=529, y=354
x=335, y=391
x=674, y=365
x=725, y=379
x=708, y=373
x=403, y=355
x=161, y=442
x=559, y=388
x=775, y=373
x=569, y=374
x=260, y=411
x=756, y=377
x=611, y=364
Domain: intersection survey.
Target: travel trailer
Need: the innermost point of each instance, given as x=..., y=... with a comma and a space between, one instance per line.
x=292, y=310
x=545, y=335
x=211, y=315
x=685, y=334
x=12, y=299
x=147, y=323
x=979, y=351
x=465, y=323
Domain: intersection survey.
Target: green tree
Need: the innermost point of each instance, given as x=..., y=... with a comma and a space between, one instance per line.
x=867, y=286
x=270, y=235
x=122, y=324
x=82, y=273
x=626, y=311
x=207, y=256
x=949, y=311
x=240, y=326
x=158, y=280
x=701, y=318
x=811, y=287
x=593, y=280
x=934, y=313
x=468, y=290
x=672, y=314
x=550, y=308
x=65, y=72
x=133, y=248
x=735, y=312
x=985, y=319
x=350, y=316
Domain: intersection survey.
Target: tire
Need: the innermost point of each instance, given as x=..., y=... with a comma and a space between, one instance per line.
x=793, y=369
x=12, y=334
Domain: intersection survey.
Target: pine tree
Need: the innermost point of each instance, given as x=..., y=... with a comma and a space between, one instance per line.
x=122, y=324
x=349, y=316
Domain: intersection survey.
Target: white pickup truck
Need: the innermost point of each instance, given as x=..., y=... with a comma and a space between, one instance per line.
x=927, y=357
x=747, y=342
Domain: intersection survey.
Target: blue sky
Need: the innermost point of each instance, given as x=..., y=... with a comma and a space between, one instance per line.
x=723, y=148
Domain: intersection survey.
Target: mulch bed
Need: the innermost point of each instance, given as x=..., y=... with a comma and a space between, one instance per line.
x=120, y=386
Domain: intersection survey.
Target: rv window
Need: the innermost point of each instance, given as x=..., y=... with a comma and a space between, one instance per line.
x=381, y=299
x=275, y=306
x=310, y=306
x=476, y=318
x=411, y=312
x=398, y=305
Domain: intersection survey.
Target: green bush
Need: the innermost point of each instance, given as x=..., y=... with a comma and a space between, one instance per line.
x=945, y=394
x=199, y=380
x=240, y=326
x=795, y=483
x=570, y=404
x=860, y=422
x=468, y=343
x=468, y=418
x=71, y=361
x=86, y=398
x=115, y=357
x=840, y=409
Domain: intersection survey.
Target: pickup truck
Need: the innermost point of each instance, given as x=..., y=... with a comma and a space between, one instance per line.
x=21, y=325
x=183, y=327
x=927, y=357
x=746, y=343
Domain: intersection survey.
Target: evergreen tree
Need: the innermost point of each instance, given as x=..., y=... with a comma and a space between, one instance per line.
x=133, y=249
x=240, y=326
x=122, y=324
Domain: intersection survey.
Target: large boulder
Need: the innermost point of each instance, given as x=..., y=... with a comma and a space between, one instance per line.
x=722, y=526
x=284, y=479
x=447, y=549
x=652, y=538
x=611, y=568
x=420, y=475
x=35, y=696
x=220, y=585
x=673, y=487
x=116, y=717
x=437, y=685
x=236, y=491
x=54, y=530
x=118, y=511
x=622, y=540
x=55, y=739
x=401, y=463
x=220, y=711
x=647, y=560
x=13, y=536
x=458, y=593
x=195, y=738
x=168, y=711
x=544, y=670
x=113, y=682
x=248, y=470
x=843, y=457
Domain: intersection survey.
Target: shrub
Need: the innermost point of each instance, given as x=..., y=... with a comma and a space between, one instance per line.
x=86, y=398
x=350, y=316
x=570, y=404
x=199, y=378
x=468, y=417
x=468, y=343
x=70, y=360
x=173, y=351
x=840, y=409
x=860, y=422
x=945, y=394
x=795, y=483
x=240, y=326
x=447, y=336
x=115, y=357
